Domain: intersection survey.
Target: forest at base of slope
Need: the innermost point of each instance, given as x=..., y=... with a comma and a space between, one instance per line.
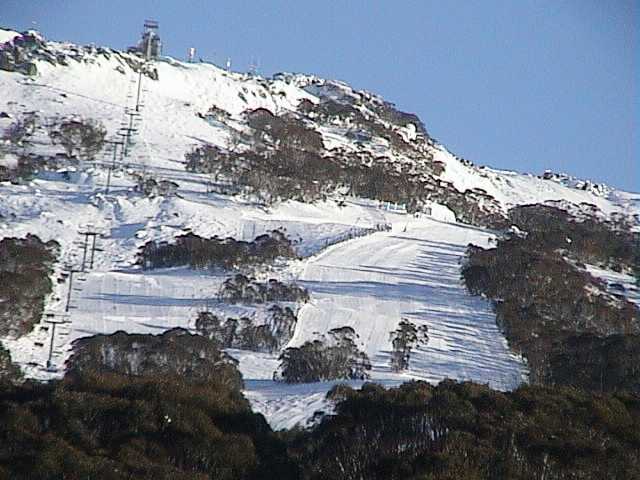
x=570, y=326
x=133, y=406
x=170, y=407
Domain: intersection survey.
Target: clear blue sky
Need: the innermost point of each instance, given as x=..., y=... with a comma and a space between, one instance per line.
x=522, y=85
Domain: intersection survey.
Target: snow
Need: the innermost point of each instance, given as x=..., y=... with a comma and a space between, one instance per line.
x=369, y=283
x=8, y=160
x=7, y=35
x=289, y=405
x=512, y=188
x=412, y=273
x=617, y=283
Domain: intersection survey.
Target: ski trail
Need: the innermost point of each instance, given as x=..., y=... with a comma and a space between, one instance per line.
x=371, y=283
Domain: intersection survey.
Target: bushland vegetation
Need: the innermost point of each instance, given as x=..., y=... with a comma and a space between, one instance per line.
x=152, y=187
x=26, y=266
x=17, y=139
x=114, y=425
x=602, y=364
x=243, y=289
x=283, y=158
x=162, y=417
x=610, y=244
x=83, y=138
x=333, y=357
x=244, y=333
x=206, y=253
x=176, y=352
x=549, y=307
x=171, y=407
x=468, y=431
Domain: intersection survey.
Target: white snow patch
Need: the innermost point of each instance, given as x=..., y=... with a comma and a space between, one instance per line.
x=7, y=35
x=618, y=283
x=8, y=160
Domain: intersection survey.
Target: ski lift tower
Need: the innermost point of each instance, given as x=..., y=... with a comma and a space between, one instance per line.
x=150, y=45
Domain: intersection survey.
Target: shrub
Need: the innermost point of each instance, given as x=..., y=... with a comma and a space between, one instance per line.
x=25, y=167
x=389, y=113
x=26, y=265
x=337, y=357
x=21, y=130
x=150, y=187
x=217, y=114
x=202, y=253
x=243, y=334
x=82, y=137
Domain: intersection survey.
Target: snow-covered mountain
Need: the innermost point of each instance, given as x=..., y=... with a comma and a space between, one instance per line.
x=358, y=274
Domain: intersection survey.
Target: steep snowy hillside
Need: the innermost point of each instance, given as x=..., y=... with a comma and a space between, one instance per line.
x=401, y=265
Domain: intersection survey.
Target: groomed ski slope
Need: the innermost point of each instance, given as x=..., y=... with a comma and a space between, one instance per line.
x=370, y=284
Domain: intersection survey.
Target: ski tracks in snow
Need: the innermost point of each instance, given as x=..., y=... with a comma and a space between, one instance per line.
x=371, y=283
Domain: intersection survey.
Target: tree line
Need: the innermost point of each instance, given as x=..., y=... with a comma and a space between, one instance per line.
x=551, y=309
x=469, y=431
x=163, y=407
x=170, y=406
